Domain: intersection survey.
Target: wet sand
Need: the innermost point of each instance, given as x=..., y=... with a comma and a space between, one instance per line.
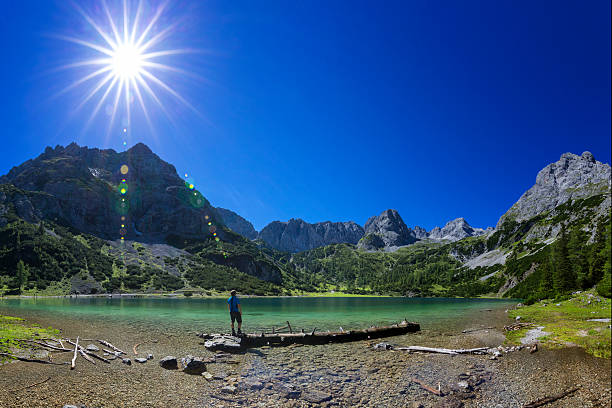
x=351, y=374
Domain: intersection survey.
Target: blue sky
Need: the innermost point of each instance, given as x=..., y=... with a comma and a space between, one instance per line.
x=337, y=110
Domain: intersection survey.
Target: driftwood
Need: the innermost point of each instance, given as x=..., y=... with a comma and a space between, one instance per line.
x=76, y=348
x=107, y=344
x=136, y=346
x=51, y=347
x=29, y=360
x=86, y=354
x=475, y=330
x=479, y=350
x=548, y=400
x=426, y=387
x=251, y=340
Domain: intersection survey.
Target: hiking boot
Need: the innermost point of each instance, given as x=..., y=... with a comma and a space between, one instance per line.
x=234, y=332
x=239, y=332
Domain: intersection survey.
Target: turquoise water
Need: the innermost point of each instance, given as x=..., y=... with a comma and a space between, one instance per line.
x=258, y=313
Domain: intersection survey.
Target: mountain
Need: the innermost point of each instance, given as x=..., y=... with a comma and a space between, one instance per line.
x=570, y=178
x=236, y=223
x=554, y=240
x=386, y=230
x=60, y=220
x=84, y=189
x=455, y=230
x=297, y=235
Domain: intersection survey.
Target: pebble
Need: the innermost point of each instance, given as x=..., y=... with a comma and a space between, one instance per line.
x=126, y=361
x=92, y=347
x=228, y=389
x=207, y=375
x=141, y=360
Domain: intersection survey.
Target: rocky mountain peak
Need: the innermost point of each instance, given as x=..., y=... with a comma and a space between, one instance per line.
x=82, y=188
x=237, y=223
x=391, y=230
x=569, y=178
x=297, y=235
x=455, y=230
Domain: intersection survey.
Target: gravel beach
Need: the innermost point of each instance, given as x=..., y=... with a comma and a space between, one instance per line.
x=350, y=374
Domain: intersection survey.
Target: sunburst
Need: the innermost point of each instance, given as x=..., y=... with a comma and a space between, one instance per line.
x=127, y=65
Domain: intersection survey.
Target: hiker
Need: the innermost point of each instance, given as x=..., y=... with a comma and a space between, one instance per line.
x=233, y=304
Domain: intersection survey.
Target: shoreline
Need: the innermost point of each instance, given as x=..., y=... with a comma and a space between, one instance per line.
x=349, y=374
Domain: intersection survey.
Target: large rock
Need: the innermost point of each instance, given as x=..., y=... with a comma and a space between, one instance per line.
x=236, y=223
x=569, y=178
x=388, y=228
x=169, y=363
x=193, y=365
x=297, y=235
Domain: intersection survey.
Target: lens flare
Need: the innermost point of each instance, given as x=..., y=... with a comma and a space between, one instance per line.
x=130, y=61
x=124, y=169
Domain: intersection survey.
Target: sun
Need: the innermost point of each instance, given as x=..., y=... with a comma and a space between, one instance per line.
x=126, y=62
x=130, y=66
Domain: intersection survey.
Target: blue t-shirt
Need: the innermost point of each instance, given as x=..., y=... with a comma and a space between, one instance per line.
x=233, y=302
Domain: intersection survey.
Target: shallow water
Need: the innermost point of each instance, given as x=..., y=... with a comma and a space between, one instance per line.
x=168, y=314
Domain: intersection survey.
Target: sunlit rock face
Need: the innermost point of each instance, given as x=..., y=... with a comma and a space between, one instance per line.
x=386, y=230
x=455, y=230
x=569, y=178
x=82, y=188
x=297, y=235
x=237, y=223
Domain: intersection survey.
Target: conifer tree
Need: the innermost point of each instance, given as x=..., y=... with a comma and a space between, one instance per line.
x=564, y=277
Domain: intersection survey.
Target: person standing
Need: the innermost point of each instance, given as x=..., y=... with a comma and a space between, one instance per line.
x=233, y=304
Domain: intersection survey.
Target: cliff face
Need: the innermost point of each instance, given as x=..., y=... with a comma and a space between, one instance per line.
x=236, y=223
x=84, y=189
x=297, y=235
x=570, y=178
x=455, y=230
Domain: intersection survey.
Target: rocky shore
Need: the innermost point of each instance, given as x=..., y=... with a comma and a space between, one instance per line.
x=351, y=374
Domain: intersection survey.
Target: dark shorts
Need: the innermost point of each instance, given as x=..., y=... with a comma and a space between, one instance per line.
x=236, y=316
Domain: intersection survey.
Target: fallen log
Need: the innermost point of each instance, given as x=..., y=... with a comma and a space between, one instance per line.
x=252, y=340
x=30, y=360
x=547, y=400
x=426, y=387
x=107, y=344
x=479, y=350
x=76, y=348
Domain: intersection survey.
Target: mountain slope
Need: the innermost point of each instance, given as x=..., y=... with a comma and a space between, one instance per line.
x=236, y=223
x=297, y=235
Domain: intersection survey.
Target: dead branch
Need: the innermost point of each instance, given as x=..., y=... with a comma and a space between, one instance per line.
x=85, y=353
x=548, y=400
x=107, y=344
x=475, y=330
x=428, y=388
x=479, y=350
x=29, y=360
x=51, y=347
x=76, y=348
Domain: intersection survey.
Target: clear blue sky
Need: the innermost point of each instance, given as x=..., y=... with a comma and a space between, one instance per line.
x=338, y=110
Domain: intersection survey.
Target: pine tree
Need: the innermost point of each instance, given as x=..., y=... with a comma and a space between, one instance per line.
x=564, y=277
x=596, y=270
x=22, y=274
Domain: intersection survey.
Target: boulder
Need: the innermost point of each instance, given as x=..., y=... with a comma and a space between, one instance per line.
x=316, y=396
x=193, y=365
